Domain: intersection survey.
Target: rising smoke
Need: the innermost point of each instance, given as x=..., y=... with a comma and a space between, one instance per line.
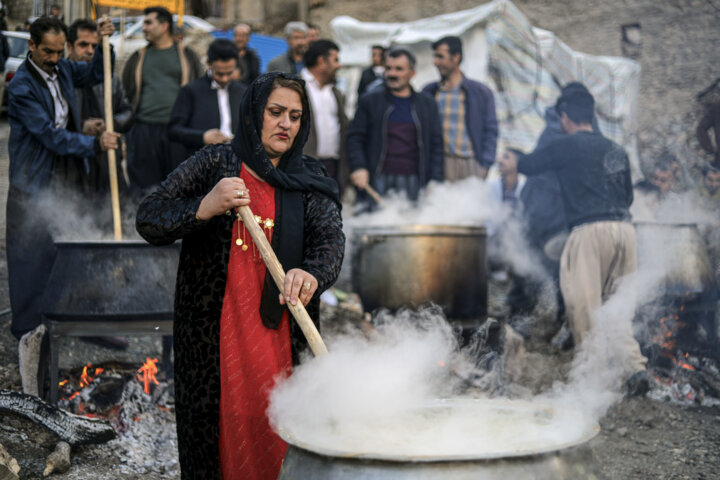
x=357, y=398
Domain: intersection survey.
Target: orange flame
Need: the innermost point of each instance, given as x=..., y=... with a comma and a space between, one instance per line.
x=687, y=366
x=148, y=371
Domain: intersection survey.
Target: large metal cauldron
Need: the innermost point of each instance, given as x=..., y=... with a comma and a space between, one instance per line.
x=540, y=443
x=407, y=266
x=677, y=252
x=109, y=288
x=106, y=280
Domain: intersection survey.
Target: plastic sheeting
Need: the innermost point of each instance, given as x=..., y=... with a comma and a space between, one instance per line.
x=523, y=65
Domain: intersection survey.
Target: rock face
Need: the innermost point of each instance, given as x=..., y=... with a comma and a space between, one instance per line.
x=9, y=467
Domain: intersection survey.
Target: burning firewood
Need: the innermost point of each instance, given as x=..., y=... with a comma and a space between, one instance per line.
x=9, y=467
x=74, y=429
x=59, y=460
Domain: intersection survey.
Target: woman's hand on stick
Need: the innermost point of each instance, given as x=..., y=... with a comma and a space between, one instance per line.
x=299, y=284
x=228, y=193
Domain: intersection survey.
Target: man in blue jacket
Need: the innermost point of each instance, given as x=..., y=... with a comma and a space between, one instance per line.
x=395, y=140
x=47, y=156
x=467, y=110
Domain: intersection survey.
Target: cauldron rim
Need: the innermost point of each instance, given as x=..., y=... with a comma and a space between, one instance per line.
x=421, y=229
x=587, y=435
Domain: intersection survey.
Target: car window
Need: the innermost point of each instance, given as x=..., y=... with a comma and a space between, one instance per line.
x=18, y=46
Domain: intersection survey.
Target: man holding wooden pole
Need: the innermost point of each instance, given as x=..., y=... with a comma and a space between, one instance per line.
x=47, y=150
x=82, y=42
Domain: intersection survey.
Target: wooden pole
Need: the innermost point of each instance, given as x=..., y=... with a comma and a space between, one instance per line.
x=109, y=126
x=276, y=270
x=374, y=194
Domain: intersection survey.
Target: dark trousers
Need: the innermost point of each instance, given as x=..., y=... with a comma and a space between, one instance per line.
x=149, y=156
x=30, y=255
x=410, y=184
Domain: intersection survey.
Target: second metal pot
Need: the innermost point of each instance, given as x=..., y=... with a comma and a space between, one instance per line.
x=408, y=266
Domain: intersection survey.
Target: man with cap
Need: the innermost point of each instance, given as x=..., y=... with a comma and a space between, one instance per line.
x=596, y=190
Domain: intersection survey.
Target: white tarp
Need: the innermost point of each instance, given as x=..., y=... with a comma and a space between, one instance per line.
x=524, y=66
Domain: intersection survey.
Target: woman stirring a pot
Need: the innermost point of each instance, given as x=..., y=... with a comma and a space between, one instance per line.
x=232, y=334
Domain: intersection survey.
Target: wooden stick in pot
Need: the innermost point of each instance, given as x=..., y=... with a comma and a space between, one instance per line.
x=109, y=126
x=278, y=274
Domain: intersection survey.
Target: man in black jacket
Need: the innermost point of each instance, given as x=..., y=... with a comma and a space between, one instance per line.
x=594, y=177
x=373, y=73
x=82, y=41
x=206, y=110
x=249, y=62
x=395, y=140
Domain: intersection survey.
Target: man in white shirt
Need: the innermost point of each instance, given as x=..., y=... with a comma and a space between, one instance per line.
x=207, y=110
x=327, y=103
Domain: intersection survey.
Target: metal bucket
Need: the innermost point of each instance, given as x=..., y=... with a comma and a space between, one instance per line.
x=408, y=266
x=556, y=453
x=678, y=253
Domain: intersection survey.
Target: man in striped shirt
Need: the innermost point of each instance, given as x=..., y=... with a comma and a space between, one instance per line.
x=467, y=111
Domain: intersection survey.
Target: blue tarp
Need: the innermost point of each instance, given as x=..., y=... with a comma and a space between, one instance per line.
x=266, y=46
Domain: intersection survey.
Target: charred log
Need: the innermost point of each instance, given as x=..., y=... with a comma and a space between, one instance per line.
x=73, y=429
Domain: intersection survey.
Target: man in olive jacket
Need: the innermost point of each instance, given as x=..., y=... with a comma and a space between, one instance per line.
x=152, y=78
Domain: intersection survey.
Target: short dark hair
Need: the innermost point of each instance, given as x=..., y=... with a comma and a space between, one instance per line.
x=222, y=49
x=319, y=49
x=163, y=16
x=379, y=47
x=709, y=168
x=43, y=25
x=453, y=43
x=578, y=105
x=665, y=161
x=519, y=153
x=396, y=52
x=80, y=24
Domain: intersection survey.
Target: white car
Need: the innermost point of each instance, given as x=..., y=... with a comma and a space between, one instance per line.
x=134, y=38
x=18, y=47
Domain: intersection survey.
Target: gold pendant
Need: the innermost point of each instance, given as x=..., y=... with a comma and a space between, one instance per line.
x=239, y=242
x=244, y=248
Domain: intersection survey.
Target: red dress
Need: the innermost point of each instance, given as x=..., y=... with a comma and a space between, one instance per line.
x=251, y=355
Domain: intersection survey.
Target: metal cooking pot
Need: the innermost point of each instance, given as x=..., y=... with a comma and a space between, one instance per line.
x=678, y=253
x=105, y=278
x=407, y=266
x=518, y=440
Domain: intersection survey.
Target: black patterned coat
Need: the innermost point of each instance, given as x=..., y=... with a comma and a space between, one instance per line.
x=168, y=214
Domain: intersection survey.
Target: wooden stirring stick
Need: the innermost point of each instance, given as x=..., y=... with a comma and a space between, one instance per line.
x=374, y=194
x=112, y=161
x=278, y=274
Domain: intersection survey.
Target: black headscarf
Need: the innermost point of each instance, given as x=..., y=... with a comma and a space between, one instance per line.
x=290, y=178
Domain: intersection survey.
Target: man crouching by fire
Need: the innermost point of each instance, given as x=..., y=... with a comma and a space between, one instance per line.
x=594, y=177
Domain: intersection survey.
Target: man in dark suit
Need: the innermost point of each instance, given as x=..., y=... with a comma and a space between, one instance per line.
x=206, y=111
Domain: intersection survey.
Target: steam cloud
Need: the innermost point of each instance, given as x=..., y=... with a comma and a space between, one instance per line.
x=362, y=395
